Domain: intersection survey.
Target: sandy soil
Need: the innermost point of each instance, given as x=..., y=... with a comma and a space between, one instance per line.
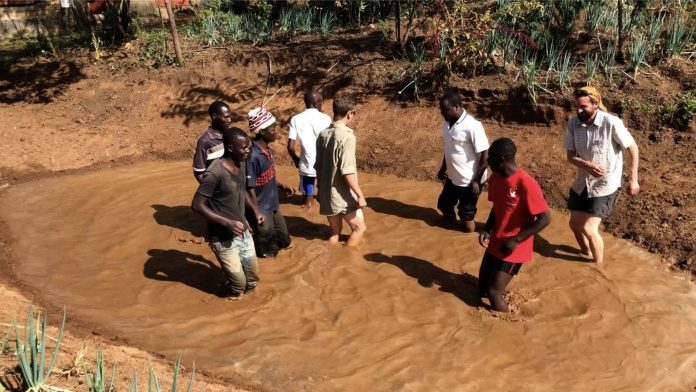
x=72, y=115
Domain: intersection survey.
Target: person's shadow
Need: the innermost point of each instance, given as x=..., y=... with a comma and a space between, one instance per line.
x=462, y=286
x=179, y=217
x=301, y=227
x=546, y=249
x=408, y=211
x=193, y=270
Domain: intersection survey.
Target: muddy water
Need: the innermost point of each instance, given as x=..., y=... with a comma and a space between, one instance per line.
x=121, y=247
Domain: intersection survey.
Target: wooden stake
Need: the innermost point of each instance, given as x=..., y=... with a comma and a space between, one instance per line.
x=175, y=36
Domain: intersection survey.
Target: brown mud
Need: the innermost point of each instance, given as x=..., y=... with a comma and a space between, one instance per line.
x=122, y=248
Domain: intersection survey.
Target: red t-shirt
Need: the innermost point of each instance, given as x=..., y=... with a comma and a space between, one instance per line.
x=516, y=200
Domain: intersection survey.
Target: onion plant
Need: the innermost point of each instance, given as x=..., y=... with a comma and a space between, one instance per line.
x=638, y=50
x=326, y=22
x=31, y=352
x=678, y=35
x=564, y=70
x=97, y=382
x=590, y=65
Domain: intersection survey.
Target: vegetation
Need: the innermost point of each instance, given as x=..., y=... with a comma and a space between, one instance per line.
x=31, y=353
x=551, y=45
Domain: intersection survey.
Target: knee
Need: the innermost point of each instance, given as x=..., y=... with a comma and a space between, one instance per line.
x=575, y=226
x=359, y=228
x=590, y=232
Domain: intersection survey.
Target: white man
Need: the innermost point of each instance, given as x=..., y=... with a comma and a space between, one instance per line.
x=340, y=196
x=594, y=142
x=304, y=128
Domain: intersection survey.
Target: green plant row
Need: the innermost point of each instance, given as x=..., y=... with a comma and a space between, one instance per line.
x=31, y=349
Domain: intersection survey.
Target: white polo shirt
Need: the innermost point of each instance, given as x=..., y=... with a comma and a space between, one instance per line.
x=601, y=142
x=305, y=127
x=464, y=142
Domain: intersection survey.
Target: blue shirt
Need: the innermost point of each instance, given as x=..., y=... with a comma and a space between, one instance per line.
x=260, y=175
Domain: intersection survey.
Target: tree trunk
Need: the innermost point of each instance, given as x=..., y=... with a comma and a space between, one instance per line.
x=409, y=27
x=175, y=36
x=619, y=51
x=397, y=23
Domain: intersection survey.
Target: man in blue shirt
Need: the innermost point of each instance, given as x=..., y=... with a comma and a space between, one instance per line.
x=272, y=235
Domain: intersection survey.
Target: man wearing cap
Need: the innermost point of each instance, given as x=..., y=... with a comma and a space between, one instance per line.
x=305, y=127
x=594, y=142
x=271, y=235
x=209, y=145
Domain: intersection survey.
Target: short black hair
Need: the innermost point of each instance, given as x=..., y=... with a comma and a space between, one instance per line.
x=232, y=136
x=342, y=104
x=311, y=97
x=215, y=107
x=452, y=96
x=503, y=147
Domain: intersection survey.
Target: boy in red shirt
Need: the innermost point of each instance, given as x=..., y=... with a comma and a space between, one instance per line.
x=519, y=212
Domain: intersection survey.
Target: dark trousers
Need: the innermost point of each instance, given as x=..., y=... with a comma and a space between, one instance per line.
x=272, y=236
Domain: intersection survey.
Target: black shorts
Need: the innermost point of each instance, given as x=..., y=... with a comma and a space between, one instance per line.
x=491, y=262
x=462, y=197
x=600, y=207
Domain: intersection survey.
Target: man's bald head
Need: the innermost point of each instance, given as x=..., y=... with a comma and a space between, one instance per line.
x=313, y=99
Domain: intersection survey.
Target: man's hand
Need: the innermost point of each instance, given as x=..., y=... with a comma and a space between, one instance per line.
x=362, y=203
x=296, y=160
x=260, y=218
x=596, y=170
x=633, y=187
x=236, y=227
x=509, y=245
x=484, y=238
x=442, y=175
x=288, y=190
x=475, y=187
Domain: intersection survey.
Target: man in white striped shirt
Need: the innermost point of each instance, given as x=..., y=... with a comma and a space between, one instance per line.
x=594, y=142
x=209, y=145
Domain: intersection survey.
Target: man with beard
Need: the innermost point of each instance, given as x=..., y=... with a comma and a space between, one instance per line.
x=210, y=146
x=594, y=142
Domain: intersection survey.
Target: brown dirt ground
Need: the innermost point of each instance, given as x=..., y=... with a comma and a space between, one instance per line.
x=72, y=115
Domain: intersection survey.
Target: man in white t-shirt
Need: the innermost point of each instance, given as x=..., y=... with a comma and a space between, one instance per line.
x=463, y=169
x=305, y=127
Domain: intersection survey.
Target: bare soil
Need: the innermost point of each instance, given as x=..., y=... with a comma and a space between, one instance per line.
x=68, y=115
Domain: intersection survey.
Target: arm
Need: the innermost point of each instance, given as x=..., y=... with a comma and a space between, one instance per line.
x=289, y=191
x=293, y=154
x=633, y=186
x=482, y=166
x=199, y=204
x=540, y=222
x=485, y=235
x=251, y=203
x=594, y=169
x=442, y=174
x=352, y=181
